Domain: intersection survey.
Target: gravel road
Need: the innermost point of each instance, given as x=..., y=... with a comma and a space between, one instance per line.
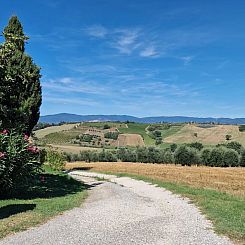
x=124, y=212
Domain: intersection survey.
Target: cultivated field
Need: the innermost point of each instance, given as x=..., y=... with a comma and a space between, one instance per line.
x=229, y=180
x=207, y=135
x=130, y=140
x=53, y=129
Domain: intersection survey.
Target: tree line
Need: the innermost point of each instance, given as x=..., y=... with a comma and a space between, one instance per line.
x=224, y=155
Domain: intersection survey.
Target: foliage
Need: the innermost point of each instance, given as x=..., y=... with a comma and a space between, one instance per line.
x=217, y=157
x=111, y=135
x=242, y=128
x=242, y=159
x=205, y=156
x=235, y=146
x=196, y=145
x=55, y=159
x=228, y=137
x=20, y=90
x=106, y=126
x=19, y=160
x=173, y=147
x=186, y=156
x=231, y=158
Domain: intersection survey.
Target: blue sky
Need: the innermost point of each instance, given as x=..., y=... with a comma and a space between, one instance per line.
x=141, y=57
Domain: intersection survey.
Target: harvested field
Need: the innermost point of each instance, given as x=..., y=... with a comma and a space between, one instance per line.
x=206, y=135
x=229, y=180
x=73, y=148
x=53, y=129
x=129, y=140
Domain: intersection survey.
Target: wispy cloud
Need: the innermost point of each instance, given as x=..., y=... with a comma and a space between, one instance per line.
x=187, y=59
x=149, y=52
x=97, y=31
x=126, y=40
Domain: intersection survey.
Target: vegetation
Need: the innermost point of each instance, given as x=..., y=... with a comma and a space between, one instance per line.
x=242, y=128
x=20, y=90
x=19, y=161
x=55, y=160
x=219, y=156
x=111, y=135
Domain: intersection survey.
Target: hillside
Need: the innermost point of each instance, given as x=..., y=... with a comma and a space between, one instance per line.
x=66, y=117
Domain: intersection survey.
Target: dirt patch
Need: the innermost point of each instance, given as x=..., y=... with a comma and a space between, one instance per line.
x=129, y=140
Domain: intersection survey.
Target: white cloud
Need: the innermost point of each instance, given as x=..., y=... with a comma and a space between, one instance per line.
x=149, y=52
x=127, y=40
x=96, y=31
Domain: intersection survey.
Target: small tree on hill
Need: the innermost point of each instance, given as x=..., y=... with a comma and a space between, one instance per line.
x=20, y=90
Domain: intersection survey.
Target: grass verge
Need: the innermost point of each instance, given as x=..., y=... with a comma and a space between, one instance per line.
x=51, y=195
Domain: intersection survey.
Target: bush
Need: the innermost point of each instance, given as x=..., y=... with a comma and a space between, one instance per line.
x=186, y=156
x=168, y=157
x=111, y=135
x=173, y=147
x=235, y=146
x=19, y=160
x=205, y=157
x=242, y=128
x=196, y=145
x=217, y=157
x=231, y=158
x=55, y=159
x=242, y=159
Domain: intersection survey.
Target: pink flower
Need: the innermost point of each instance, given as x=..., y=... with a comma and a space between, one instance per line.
x=2, y=154
x=5, y=132
x=26, y=137
x=33, y=149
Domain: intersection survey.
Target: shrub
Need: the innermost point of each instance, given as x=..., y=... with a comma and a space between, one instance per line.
x=173, y=147
x=168, y=157
x=55, y=159
x=19, y=160
x=231, y=158
x=228, y=137
x=242, y=159
x=158, y=141
x=242, y=128
x=111, y=135
x=205, y=156
x=217, y=157
x=186, y=156
x=196, y=145
x=235, y=146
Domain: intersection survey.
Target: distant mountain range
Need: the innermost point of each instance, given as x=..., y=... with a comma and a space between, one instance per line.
x=66, y=117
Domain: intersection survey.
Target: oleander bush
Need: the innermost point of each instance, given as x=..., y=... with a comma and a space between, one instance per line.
x=19, y=160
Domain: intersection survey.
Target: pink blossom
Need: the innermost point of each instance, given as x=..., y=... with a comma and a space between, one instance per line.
x=2, y=154
x=26, y=137
x=5, y=132
x=33, y=149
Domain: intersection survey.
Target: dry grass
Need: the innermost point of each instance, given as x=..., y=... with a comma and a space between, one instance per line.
x=53, y=129
x=73, y=148
x=229, y=180
x=212, y=135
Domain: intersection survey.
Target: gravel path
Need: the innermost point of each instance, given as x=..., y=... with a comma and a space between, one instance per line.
x=124, y=212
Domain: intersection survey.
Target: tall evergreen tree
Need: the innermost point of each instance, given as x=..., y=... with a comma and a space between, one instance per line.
x=20, y=89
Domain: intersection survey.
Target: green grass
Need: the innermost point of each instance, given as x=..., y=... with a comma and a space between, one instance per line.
x=227, y=212
x=38, y=203
x=138, y=128
x=172, y=130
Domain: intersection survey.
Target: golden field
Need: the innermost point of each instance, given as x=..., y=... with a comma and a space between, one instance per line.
x=229, y=180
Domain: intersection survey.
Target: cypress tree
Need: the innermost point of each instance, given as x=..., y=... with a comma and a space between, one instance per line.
x=20, y=89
